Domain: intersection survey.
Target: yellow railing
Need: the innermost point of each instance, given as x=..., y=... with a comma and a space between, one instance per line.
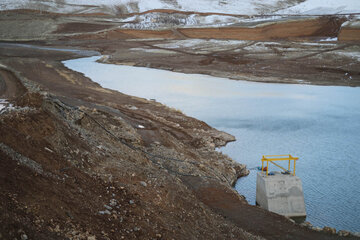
x=271, y=158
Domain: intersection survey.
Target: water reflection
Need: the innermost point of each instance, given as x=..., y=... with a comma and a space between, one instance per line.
x=321, y=125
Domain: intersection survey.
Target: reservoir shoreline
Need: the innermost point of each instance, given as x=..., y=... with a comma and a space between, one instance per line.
x=80, y=161
x=169, y=87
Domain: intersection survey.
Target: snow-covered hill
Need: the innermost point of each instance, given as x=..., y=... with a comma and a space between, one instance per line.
x=246, y=7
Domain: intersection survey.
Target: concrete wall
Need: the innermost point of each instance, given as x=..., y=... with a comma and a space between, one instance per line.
x=280, y=193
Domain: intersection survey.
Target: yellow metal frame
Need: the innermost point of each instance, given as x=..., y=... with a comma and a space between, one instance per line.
x=271, y=158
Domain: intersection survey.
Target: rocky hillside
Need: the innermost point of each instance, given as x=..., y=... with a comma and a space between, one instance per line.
x=112, y=167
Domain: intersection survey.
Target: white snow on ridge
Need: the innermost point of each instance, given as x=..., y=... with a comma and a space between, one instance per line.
x=46, y=5
x=162, y=20
x=314, y=7
x=352, y=24
x=156, y=20
x=246, y=7
x=243, y=7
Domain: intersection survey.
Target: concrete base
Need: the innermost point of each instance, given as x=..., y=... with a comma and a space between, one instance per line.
x=281, y=194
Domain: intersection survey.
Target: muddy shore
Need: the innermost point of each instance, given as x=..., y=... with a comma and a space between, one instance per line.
x=82, y=162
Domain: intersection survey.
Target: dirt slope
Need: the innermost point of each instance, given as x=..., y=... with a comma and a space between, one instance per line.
x=78, y=173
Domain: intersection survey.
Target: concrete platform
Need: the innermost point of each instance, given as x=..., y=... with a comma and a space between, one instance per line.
x=280, y=193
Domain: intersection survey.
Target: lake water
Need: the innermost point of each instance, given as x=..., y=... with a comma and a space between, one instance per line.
x=318, y=124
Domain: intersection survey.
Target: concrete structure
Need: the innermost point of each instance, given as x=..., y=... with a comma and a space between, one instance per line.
x=281, y=194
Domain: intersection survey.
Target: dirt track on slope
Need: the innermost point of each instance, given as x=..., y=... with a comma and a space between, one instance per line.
x=10, y=87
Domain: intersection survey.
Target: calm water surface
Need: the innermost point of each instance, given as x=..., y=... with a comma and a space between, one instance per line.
x=321, y=125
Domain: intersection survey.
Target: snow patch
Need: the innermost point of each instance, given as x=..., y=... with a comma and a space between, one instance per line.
x=353, y=55
x=329, y=39
x=351, y=24
x=130, y=19
x=324, y=7
x=223, y=6
x=156, y=20
x=49, y=5
x=243, y=7
x=4, y=104
x=160, y=20
x=318, y=44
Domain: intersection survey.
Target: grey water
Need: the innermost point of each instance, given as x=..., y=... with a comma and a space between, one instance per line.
x=318, y=124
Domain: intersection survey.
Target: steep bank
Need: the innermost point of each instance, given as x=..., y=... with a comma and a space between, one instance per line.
x=350, y=32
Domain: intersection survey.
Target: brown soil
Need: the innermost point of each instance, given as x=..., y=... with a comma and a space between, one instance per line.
x=321, y=27
x=81, y=27
x=167, y=34
x=129, y=34
x=349, y=34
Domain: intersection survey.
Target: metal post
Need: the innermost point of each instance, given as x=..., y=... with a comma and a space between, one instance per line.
x=294, y=166
x=267, y=167
x=289, y=165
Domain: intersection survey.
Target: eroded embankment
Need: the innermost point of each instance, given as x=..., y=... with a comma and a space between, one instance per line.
x=321, y=27
x=350, y=31
x=349, y=34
